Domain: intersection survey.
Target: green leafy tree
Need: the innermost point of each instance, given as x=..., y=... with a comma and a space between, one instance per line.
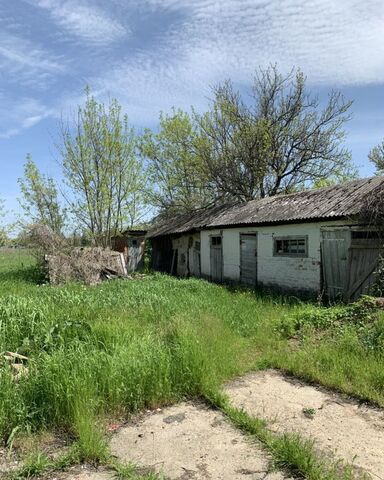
x=376, y=156
x=3, y=228
x=178, y=181
x=40, y=198
x=102, y=170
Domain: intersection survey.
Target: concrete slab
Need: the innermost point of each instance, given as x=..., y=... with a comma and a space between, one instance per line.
x=188, y=441
x=341, y=426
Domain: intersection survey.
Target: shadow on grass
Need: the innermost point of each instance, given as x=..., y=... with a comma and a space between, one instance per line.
x=32, y=274
x=273, y=295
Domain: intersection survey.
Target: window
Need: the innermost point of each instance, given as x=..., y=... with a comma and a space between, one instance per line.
x=366, y=235
x=197, y=246
x=134, y=242
x=216, y=241
x=290, y=246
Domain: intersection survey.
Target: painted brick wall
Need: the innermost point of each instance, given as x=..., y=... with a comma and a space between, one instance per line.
x=290, y=273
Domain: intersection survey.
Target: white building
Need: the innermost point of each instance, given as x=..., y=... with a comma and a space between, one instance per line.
x=305, y=243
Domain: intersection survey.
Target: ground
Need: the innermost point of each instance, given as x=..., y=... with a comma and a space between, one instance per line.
x=191, y=441
x=340, y=426
x=184, y=378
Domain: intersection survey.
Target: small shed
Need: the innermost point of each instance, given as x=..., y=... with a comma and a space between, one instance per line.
x=312, y=243
x=131, y=243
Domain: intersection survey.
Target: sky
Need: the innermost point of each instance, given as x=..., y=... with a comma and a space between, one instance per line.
x=155, y=54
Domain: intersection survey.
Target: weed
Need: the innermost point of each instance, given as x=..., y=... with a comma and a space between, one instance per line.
x=35, y=464
x=309, y=412
x=132, y=472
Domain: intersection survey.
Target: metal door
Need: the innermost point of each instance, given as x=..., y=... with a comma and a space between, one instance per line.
x=248, y=259
x=216, y=257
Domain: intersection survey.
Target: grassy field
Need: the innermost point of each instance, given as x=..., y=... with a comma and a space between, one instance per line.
x=98, y=353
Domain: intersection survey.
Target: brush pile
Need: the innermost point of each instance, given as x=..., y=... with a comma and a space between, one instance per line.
x=64, y=263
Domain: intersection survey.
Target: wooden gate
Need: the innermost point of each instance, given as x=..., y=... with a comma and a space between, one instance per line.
x=364, y=254
x=349, y=260
x=334, y=251
x=216, y=259
x=248, y=259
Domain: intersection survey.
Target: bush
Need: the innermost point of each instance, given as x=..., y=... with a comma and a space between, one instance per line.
x=377, y=289
x=361, y=314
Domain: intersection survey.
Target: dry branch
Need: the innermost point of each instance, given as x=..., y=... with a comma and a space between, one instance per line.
x=65, y=263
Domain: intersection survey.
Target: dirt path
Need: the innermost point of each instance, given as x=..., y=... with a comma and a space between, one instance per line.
x=189, y=441
x=350, y=431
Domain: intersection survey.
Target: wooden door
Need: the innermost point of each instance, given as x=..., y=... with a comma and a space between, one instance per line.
x=248, y=259
x=335, y=245
x=134, y=254
x=365, y=251
x=196, y=259
x=216, y=259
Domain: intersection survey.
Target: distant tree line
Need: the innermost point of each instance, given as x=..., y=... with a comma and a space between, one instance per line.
x=277, y=139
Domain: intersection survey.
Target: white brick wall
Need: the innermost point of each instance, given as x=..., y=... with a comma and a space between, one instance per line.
x=286, y=272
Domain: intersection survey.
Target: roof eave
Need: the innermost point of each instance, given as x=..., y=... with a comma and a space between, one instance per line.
x=259, y=224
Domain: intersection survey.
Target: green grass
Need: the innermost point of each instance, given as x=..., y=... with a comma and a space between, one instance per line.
x=108, y=351
x=35, y=464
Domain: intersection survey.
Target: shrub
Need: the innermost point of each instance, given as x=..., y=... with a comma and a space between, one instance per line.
x=362, y=314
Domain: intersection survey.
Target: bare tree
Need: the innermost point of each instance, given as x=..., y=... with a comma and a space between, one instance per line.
x=278, y=142
x=233, y=145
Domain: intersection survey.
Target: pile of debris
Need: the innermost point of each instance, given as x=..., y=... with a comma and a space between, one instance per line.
x=65, y=263
x=17, y=363
x=87, y=265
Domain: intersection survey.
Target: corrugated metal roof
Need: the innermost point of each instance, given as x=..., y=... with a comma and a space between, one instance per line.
x=340, y=201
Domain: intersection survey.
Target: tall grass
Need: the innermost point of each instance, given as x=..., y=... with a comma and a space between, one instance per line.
x=111, y=349
x=126, y=345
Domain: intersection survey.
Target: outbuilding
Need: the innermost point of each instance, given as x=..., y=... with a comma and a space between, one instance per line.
x=308, y=243
x=131, y=243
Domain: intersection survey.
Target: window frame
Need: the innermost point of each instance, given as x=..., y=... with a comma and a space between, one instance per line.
x=288, y=254
x=213, y=240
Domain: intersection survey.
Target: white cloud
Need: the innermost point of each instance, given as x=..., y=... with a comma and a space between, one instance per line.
x=16, y=116
x=202, y=42
x=83, y=20
x=335, y=43
x=28, y=62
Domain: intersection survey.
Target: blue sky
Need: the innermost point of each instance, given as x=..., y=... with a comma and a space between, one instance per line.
x=155, y=54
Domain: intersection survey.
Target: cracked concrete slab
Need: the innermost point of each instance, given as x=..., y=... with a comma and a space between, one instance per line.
x=339, y=425
x=189, y=441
